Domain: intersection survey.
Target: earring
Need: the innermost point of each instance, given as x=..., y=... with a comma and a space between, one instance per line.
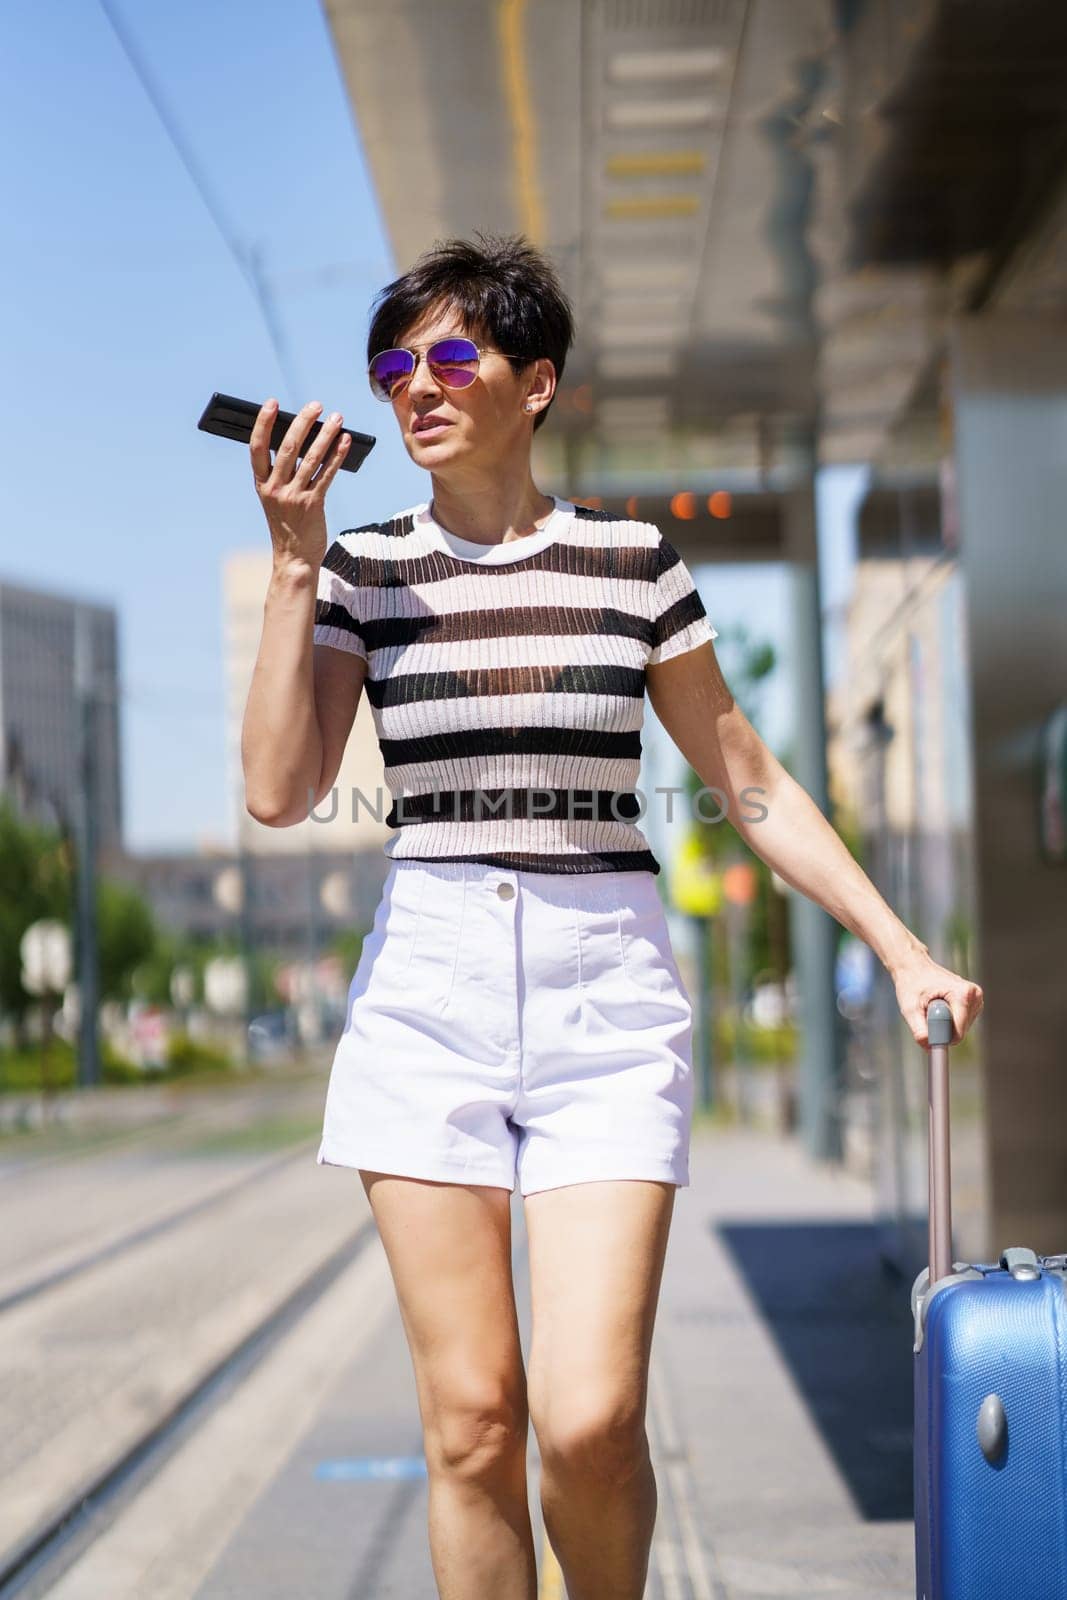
x=527, y=406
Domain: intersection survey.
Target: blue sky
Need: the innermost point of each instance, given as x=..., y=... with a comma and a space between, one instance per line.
x=125, y=309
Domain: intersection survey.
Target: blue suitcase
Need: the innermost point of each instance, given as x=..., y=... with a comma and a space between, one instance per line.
x=990, y=1369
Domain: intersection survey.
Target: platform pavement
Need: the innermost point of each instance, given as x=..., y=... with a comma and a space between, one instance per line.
x=786, y=1346
x=779, y=1417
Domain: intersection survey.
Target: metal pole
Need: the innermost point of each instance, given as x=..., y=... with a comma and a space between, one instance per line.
x=88, y=966
x=735, y=933
x=245, y=940
x=705, y=1014
x=312, y=940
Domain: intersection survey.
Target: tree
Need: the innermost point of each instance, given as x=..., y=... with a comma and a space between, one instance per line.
x=127, y=935
x=35, y=871
x=347, y=946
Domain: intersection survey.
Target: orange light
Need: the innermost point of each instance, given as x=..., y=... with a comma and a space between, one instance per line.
x=684, y=506
x=719, y=503
x=631, y=506
x=739, y=883
x=595, y=503
x=582, y=398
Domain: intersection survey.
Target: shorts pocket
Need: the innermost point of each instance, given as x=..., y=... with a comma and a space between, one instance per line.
x=647, y=958
x=387, y=958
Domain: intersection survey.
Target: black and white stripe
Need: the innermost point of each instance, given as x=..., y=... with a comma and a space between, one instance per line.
x=508, y=695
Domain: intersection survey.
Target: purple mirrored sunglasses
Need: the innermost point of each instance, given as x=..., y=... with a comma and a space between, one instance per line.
x=453, y=362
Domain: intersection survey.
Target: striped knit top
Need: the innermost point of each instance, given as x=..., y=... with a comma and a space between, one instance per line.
x=507, y=681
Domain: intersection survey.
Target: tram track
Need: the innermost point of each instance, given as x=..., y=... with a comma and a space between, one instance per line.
x=121, y=1303
x=130, y=1238
x=31, y=1566
x=682, y=1565
x=209, y=1110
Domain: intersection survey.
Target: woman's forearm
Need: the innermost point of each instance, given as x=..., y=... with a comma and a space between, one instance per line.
x=281, y=742
x=803, y=848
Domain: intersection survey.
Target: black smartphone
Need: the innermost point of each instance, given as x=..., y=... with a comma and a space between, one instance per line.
x=231, y=418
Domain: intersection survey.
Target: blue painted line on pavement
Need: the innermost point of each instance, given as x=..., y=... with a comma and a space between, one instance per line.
x=373, y=1467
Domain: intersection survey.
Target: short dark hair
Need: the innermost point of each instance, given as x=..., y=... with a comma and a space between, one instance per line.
x=502, y=287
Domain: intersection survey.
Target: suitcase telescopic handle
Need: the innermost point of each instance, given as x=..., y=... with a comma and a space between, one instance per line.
x=939, y=1033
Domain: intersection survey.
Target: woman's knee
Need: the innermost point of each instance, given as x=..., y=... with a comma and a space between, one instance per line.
x=602, y=1440
x=476, y=1429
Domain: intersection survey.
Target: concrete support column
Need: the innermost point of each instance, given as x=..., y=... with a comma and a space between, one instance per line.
x=813, y=931
x=1009, y=387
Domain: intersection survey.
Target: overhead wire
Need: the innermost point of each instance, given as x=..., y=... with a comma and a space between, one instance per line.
x=247, y=257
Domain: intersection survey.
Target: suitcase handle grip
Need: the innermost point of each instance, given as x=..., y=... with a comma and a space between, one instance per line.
x=939, y=1033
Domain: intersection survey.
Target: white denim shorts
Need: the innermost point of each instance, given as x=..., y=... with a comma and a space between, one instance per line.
x=507, y=1024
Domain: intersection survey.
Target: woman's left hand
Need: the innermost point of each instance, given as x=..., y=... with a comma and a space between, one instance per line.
x=920, y=979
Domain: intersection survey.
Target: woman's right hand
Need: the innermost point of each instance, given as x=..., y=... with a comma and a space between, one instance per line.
x=293, y=495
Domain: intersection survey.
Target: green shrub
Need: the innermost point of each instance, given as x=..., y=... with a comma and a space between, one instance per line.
x=187, y=1055
x=759, y=1044
x=20, y=1070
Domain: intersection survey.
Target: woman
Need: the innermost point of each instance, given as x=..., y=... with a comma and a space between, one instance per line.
x=517, y=1010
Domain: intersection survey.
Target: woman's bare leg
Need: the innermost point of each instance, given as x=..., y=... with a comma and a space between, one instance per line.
x=596, y=1263
x=449, y=1251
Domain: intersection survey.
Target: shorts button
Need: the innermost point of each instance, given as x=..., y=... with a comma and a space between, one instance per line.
x=505, y=890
